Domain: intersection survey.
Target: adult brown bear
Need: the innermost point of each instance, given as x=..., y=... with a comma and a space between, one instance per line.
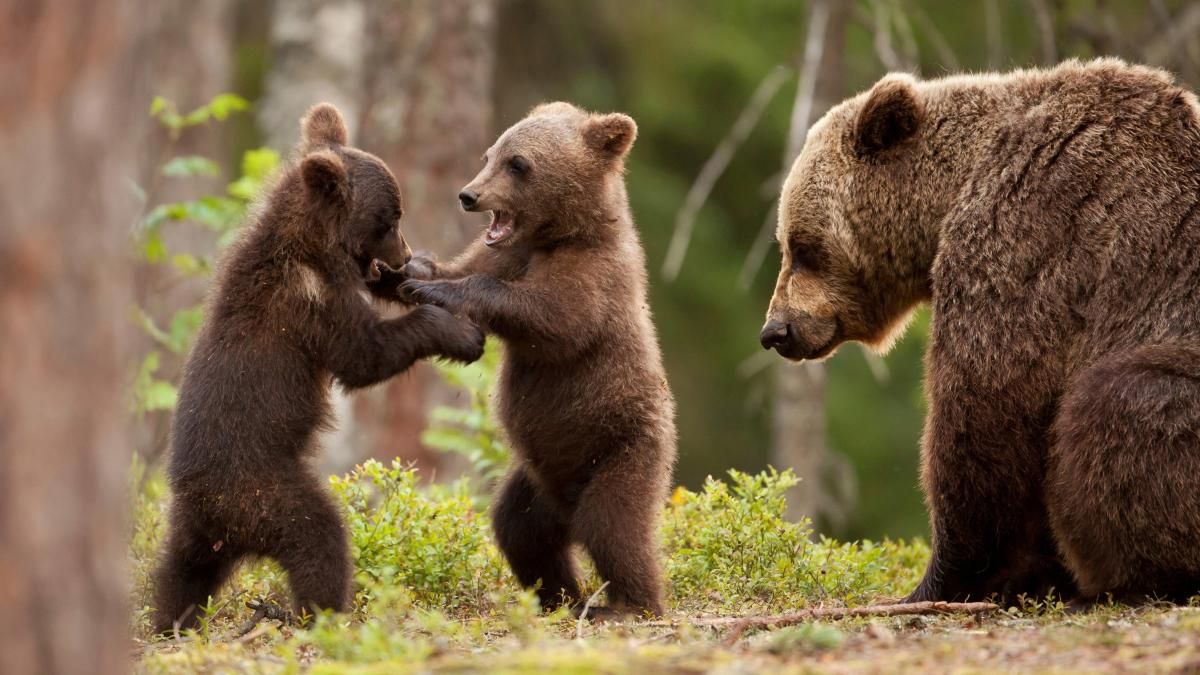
x=1052, y=218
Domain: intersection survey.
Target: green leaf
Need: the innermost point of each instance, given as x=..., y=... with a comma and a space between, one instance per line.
x=259, y=162
x=191, y=165
x=148, y=324
x=184, y=326
x=189, y=264
x=159, y=105
x=153, y=248
x=160, y=395
x=223, y=104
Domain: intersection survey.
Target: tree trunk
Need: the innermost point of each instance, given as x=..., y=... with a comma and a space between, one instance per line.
x=317, y=48
x=316, y=51
x=428, y=113
x=798, y=414
x=413, y=80
x=73, y=100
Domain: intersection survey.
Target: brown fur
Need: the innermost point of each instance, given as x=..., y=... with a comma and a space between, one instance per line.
x=1052, y=217
x=582, y=392
x=286, y=318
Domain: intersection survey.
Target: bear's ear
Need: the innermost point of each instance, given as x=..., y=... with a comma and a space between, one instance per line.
x=891, y=115
x=611, y=135
x=323, y=125
x=325, y=178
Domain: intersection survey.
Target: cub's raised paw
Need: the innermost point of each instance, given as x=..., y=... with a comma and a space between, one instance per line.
x=384, y=281
x=454, y=338
x=467, y=342
x=438, y=293
x=421, y=267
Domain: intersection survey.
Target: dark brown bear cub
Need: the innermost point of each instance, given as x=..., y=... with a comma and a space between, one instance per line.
x=286, y=318
x=559, y=276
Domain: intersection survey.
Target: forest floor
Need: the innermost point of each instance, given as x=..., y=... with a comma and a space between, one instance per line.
x=434, y=595
x=1106, y=639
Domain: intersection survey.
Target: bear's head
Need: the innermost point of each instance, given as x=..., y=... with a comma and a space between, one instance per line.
x=550, y=174
x=352, y=195
x=856, y=216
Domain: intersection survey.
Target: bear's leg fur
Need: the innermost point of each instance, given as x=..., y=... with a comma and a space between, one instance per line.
x=535, y=540
x=616, y=521
x=983, y=459
x=189, y=573
x=306, y=536
x=1123, y=487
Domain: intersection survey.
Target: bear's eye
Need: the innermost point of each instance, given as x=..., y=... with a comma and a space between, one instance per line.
x=805, y=257
x=518, y=166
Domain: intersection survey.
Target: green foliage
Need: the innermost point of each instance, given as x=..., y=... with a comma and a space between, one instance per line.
x=220, y=214
x=731, y=548
x=471, y=430
x=219, y=108
x=430, y=540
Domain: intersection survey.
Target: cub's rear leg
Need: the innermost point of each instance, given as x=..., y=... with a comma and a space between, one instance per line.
x=534, y=538
x=616, y=520
x=1123, y=489
x=191, y=570
x=303, y=531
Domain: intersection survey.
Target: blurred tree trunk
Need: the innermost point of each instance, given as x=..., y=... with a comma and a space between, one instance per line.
x=316, y=54
x=798, y=415
x=427, y=112
x=188, y=61
x=317, y=50
x=413, y=80
x=70, y=73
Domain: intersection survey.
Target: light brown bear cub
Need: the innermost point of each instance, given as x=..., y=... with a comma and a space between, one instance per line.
x=1052, y=218
x=559, y=276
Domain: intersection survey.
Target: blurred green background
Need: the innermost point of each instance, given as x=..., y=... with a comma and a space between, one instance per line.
x=685, y=69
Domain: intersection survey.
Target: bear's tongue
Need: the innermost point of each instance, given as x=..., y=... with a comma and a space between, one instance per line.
x=500, y=228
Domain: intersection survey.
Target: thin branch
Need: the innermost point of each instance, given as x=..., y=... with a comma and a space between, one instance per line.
x=1182, y=30
x=587, y=606
x=945, y=53
x=995, y=33
x=685, y=220
x=801, y=119
x=814, y=50
x=1044, y=19
x=882, y=30
x=742, y=624
x=758, y=250
x=904, y=29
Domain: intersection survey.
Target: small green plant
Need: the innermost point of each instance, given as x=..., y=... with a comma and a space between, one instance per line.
x=731, y=548
x=430, y=540
x=220, y=214
x=471, y=431
x=803, y=639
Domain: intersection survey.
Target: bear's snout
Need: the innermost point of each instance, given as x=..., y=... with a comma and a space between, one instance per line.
x=468, y=200
x=774, y=334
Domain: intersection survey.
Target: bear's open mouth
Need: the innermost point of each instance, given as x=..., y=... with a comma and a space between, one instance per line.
x=500, y=228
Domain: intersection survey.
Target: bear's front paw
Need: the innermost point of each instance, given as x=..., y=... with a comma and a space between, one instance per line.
x=422, y=266
x=440, y=293
x=383, y=281
x=465, y=343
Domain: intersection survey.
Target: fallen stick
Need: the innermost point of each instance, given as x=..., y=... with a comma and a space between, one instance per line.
x=742, y=624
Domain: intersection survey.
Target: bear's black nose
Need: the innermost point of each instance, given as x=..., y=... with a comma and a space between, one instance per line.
x=468, y=200
x=774, y=334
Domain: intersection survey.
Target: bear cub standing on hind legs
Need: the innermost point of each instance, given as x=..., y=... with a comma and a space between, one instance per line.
x=559, y=276
x=286, y=317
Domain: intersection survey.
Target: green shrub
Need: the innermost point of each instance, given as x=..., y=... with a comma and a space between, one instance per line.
x=430, y=540
x=730, y=548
